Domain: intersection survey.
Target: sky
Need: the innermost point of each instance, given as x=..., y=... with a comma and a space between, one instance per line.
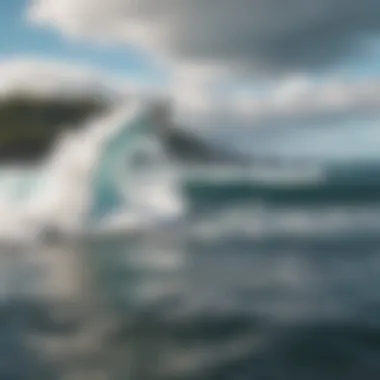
x=19, y=38
x=310, y=67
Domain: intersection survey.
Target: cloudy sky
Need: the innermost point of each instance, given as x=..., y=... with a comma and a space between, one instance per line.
x=310, y=67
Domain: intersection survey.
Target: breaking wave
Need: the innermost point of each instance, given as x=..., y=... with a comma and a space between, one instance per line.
x=90, y=179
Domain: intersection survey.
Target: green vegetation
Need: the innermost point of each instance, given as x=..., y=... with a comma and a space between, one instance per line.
x=29, y=125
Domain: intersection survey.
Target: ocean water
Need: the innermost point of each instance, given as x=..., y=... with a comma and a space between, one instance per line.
x=263, y=276
x=249, y=290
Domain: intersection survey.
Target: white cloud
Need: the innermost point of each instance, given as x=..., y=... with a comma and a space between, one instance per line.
x=269, y=34
x=45, y=77
x=299, y=100
x=41, y=77
x=305, y=99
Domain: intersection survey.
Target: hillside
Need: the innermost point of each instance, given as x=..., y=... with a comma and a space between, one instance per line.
x=28, y=126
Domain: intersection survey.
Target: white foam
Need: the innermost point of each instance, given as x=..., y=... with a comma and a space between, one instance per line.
x=59, y=192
